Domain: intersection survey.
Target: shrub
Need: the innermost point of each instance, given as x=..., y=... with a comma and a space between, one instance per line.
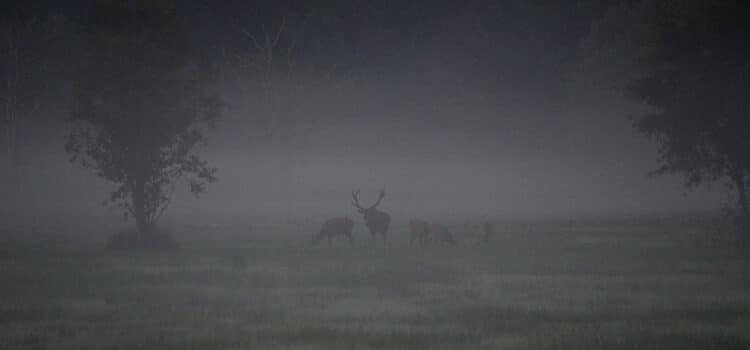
x=134, y=240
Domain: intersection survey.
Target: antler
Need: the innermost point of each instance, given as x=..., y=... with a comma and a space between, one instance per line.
x=355, y=201
x=380, y=198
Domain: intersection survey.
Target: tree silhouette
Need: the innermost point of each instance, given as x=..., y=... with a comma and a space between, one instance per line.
x=142, y=105
x=31, y=66
x=693, y=63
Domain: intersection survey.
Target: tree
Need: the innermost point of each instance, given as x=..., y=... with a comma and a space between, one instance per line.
x=689, y=61
x=142, y=105
x=277, y=67
x=30, y=67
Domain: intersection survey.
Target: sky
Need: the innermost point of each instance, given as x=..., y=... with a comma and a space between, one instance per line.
x=455, y=108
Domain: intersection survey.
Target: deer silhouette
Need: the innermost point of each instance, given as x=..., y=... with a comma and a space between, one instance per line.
x=335, y=227
x=376, y=221
x=441, y=234
x=419, y=232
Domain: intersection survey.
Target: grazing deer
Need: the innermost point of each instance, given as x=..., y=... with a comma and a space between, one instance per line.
x=440, y=234
x=419, y=232
x=335, y=227
x=488, y=231
x=376, y=221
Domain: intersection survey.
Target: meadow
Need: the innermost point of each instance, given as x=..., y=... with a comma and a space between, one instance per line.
x=616, y=284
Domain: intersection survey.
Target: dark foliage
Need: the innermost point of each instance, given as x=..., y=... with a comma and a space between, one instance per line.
x=695, y=62
x=142, y=106
x=34, y=60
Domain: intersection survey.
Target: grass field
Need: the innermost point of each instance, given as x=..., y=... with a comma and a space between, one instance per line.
x=554, y=285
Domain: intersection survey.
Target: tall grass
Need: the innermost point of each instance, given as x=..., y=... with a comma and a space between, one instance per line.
x=575, y=286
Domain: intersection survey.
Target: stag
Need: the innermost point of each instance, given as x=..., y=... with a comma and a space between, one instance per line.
x=376, y=221
x=420, y=232
x=335, y=227
x=440, y=234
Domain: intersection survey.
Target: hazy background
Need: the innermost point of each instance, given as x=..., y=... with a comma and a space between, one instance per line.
x=455, y=110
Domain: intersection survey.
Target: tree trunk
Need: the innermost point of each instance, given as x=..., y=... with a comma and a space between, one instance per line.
x=8, y=146
x=10, y=136
x=742, y=201
x=139, y=209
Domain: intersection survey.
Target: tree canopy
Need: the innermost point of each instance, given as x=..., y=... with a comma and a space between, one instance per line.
x=689, y=61
x=143, y=102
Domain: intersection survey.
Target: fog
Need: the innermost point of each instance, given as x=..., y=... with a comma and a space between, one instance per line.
x=475, y=113
x=458, y=156
x=356, y=174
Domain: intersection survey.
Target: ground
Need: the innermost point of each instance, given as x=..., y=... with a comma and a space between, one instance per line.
x=538, y=285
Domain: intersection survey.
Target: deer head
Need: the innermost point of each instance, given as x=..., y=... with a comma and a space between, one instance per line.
x=370, y=209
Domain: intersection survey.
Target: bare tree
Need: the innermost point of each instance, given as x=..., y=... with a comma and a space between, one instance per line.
x=275, y=72
x=270, y=64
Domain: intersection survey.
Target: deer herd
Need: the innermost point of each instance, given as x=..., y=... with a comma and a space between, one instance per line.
x=377, y=222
